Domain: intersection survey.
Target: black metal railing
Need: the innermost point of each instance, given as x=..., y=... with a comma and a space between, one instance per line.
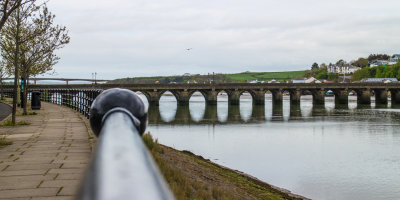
x=121, y=168
x=76, y=99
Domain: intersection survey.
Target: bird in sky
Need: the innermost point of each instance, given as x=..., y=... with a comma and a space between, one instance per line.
x=189, y=49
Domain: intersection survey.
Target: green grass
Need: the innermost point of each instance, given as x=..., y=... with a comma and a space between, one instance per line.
x=265, y=75
x=4, y=142
x=29, y=113
x=20, y=123
x=218, y=78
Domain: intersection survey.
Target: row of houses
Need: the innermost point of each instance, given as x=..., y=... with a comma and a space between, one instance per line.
x=345, y=69
x=392, y=60
x=348, y=68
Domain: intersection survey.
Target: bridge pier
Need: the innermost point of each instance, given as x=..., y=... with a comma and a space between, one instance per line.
x=364, y=96
x=234, y=113
x=154, y=115
x=259, y=97
x=341, y=97
x=295, y=96
x=182, y=114
x=211, y=97
x=276, y=96
x=211, y=114
x=234, y=97
x=153, y=97
x=295, y=110
x=182, y=97
x=381, y=96
x=258, y=112
x=318, y=97
x=395, y=96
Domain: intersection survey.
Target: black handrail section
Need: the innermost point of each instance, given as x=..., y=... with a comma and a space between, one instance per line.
x=121, y=168
x=77, y=99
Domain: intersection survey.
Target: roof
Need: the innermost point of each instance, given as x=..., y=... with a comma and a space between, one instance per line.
x=369, y=80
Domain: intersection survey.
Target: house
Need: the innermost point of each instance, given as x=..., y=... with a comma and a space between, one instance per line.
x=382, y=62
x=273, y=81
x=328, y=81
x=312, y=80
x=379, y=80
x=252, y=81
x=395, y=58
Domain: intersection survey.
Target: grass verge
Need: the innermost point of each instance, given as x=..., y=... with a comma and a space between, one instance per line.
x=4, y=142
x=29, y=113
x=10, y=123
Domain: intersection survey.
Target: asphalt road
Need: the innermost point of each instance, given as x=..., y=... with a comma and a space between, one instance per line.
x=5, y=110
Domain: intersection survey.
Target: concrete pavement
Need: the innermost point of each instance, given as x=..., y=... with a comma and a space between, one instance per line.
x=47, y=158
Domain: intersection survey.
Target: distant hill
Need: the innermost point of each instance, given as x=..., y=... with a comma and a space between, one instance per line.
x=217, y=78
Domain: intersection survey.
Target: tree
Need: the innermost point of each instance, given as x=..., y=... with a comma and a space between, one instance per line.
x=7, y=7
x=373, y=57
x=341, y=63
x=30, y=39
x=314, y=66
x=3, y=74
x=361, y=62
x=360, y=74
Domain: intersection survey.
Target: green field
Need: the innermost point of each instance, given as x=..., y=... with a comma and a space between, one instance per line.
x=218, y=78
x=265, y=75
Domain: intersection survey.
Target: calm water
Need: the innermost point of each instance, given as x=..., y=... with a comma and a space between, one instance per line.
x=321, y=152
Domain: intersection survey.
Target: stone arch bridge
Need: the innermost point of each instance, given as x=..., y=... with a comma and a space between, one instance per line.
x=183, y=92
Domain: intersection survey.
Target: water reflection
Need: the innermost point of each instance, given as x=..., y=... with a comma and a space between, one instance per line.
x=323, y=152
x=199, y=113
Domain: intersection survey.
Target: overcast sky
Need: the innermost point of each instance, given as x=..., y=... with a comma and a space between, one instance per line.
x=128, y=38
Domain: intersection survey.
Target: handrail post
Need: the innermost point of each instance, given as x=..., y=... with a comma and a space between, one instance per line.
x=122, y=167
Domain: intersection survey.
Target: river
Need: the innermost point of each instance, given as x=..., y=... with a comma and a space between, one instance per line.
x=320, y=152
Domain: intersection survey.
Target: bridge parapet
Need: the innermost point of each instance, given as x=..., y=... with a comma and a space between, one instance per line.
x=183, y=92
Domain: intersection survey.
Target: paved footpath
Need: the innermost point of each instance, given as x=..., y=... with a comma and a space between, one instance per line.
x=47, y=158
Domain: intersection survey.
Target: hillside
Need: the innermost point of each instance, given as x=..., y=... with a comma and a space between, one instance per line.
x=217, y=78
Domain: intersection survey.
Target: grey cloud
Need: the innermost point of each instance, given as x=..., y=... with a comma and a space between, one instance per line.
x=142, y=38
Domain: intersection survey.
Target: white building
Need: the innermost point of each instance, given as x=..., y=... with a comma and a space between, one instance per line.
x=346, y=69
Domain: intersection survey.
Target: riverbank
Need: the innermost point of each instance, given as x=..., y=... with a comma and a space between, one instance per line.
x=193, y=177
x=56, y=171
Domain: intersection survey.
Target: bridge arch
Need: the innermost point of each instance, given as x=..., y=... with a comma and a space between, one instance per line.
x=197, y=105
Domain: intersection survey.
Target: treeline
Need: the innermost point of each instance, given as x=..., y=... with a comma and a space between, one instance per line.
x=392, y=71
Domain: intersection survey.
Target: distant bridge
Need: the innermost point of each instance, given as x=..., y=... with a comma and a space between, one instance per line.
x=67, y=80
x=183, y=92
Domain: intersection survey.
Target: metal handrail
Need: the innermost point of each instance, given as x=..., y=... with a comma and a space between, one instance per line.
x=122, y=168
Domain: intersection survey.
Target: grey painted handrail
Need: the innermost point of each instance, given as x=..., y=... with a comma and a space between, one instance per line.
x=122, y=168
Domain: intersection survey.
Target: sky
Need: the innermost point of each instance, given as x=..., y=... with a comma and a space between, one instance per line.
x=131, y=38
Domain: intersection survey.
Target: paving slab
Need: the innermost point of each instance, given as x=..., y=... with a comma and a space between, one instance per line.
x=48, y=158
